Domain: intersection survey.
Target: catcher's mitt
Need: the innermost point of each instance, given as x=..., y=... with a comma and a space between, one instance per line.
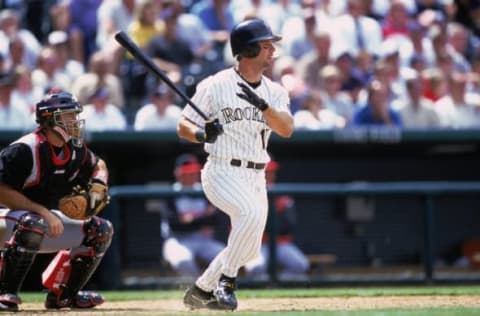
x=82, y=204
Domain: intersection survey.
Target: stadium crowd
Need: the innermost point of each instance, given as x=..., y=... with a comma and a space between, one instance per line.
x=404, y=63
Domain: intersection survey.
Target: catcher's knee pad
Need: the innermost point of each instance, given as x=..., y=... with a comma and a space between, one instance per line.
x=20, y=251
x=98, y=234
x=28, y=233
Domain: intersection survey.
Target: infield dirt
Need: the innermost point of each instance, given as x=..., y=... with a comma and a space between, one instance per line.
x=175, y=306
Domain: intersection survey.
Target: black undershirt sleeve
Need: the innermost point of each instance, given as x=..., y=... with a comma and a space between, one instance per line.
x=16, y=162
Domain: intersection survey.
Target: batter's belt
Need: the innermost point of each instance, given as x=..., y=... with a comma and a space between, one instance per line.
x=247, y=164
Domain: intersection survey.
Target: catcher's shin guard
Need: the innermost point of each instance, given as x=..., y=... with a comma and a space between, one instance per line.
x=20, y=252
x=71, y=270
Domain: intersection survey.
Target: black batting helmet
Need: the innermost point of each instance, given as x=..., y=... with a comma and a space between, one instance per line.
x=246, y=34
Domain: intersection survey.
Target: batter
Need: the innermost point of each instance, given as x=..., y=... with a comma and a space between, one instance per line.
x=244, y=107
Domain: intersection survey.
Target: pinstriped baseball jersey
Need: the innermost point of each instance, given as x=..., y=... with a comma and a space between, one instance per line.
x=246, y=133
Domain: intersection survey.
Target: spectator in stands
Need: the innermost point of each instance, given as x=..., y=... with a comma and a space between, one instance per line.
x=16, y=51
x=377, y=111
x=352, y=68
x=24, y=91
x=188, y=230
x=58, y=40
x=312, y=62
x=285, y=72
x=12, y=115
x=145, y=24
x=144, y=27
x=48, y=74
x=298, y=31
x=435, y=84
x=217, y=17
x=160, y=113
x=11, y=29
x=313, y=115
x=356, y=94
x=99, y=75
x=396, y=21
x=84, y=19
x=191, y=30
x=390, y=55
x=461, y=46
x=332, y=97
x=171, y=53
x=113, y=16
x=417, y=111
x=458, y=109
x=290, y=258
x=274, y=13
x=101, y=115
x=418, y=44
x=299, y=39
x=61, y=20
x=356, y=31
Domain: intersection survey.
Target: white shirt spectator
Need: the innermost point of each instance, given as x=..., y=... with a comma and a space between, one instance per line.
x=15, y=117
x=421, y=116
x=453, y=115
x=111, y=118
x=344, y=34
x=112, y=16
x=326, y=119
x=148, y=118
x=101, y=115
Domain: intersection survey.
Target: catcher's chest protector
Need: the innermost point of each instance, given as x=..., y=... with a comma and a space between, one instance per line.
x=54, y=172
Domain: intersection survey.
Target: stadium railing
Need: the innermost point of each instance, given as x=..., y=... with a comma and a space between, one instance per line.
x=427, y=190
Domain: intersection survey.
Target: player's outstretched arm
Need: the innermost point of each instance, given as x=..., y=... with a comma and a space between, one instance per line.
x=187, y=130
x=280, y=122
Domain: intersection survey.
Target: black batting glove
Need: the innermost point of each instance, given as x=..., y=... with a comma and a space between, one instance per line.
x=212, y=130
x=251, y=97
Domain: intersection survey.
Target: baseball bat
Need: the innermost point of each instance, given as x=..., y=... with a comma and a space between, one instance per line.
x=133, y=49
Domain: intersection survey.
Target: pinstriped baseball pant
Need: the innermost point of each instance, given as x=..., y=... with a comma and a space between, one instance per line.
x=241, y=193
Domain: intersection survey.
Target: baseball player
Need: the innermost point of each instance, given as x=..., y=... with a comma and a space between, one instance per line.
x=244, y=107
x=190, y=225
x=35, y=172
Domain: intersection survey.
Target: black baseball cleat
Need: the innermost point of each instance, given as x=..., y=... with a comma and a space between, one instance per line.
x=83, y=299
x=9, y=302
x=225, y=293
x=196, y=298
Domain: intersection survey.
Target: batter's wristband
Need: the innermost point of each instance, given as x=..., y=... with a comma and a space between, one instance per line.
x=200, y=135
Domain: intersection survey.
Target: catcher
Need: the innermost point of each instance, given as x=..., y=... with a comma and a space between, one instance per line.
x=36, y=172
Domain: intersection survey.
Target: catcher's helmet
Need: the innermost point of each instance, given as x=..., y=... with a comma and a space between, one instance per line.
x=49, y=113
x=247, y=33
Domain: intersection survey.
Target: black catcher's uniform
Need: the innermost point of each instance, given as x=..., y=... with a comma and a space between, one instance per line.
x=45, y=173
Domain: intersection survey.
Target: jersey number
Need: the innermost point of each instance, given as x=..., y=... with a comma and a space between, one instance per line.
x=263, y=134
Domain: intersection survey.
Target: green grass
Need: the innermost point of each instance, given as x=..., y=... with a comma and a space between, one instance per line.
x=317, y=292
x=298, y=292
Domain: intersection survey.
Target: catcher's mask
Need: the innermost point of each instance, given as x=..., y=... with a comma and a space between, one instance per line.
x=60, y=112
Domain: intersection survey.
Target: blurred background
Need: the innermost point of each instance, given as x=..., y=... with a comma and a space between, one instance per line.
x=385, y=97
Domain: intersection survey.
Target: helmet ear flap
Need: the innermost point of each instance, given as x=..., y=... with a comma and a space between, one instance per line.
x=250, y=51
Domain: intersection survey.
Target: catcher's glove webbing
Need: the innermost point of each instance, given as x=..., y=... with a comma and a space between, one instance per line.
x=83, y=204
